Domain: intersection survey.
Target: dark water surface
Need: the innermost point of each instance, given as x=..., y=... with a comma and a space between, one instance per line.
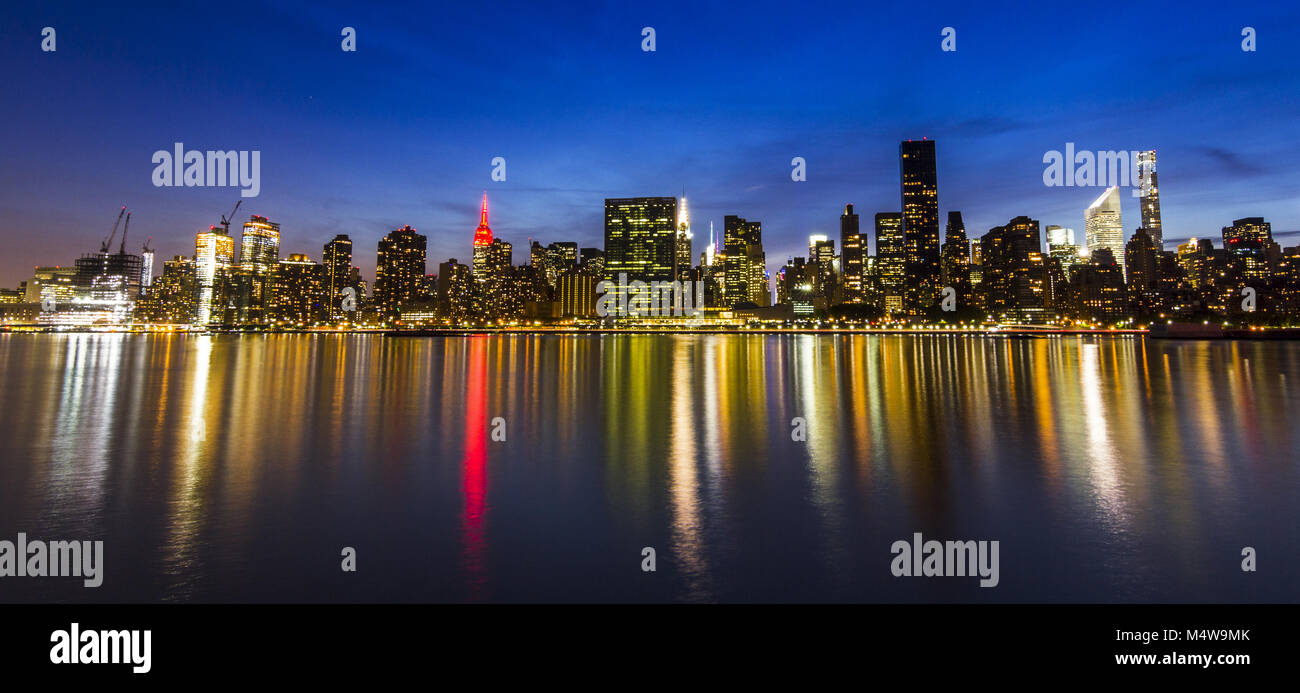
x=236, y=468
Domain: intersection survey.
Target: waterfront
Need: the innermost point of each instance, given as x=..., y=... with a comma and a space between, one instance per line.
x=235, y=467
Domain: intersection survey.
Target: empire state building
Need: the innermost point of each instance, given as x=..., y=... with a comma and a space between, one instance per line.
x=482, y=243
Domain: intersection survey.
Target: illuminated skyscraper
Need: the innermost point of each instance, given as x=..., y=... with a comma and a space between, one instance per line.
x=337, y=261
x=821, y=253
x=482, y=243
x=297, y=292
x=399, y=270
x=259, y=248
x=214, y=255
x=146, y=269
x=1015, y=277
x=1247, y=243
x=851, y=243
x=1103, y=226
x=742, y=243
x=920, y=194
x=685, y=239
x=259, y=251
x=1061, y=247
x=1150, y=199
x=640, y=239
x=890, y=263
x=173, y=299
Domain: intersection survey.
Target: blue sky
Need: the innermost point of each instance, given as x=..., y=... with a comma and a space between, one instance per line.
x=403, y=130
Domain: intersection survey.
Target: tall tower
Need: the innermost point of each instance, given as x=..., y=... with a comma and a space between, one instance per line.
x=214, y=254
x=337, y=258
x=684, y=241
x=640, y=238
x=482, y=243
x=1150, y=199
x=259, y=248
x=742, y=243
x=956, y=259
x=920, y=192
x=399, y=270
x=1103, y=227
x=146, y=268
x=851, y=255
x=890, y=268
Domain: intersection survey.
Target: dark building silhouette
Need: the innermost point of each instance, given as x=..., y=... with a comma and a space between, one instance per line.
x=1142, y=263
x=956, y=259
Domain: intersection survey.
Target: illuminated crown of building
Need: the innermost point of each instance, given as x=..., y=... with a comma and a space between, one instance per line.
x=483, y=234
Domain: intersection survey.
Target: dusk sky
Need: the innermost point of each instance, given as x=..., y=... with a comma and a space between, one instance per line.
x=403, y=130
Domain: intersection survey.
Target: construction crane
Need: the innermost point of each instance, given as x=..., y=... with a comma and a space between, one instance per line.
x=146, y=248
x=225, y=221
x=121, y=249
x=103, y=247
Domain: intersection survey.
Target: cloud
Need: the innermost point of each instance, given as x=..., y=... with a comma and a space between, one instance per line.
x=1232, y=162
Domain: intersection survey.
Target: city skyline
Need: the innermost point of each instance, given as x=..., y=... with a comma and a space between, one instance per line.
x=410, y=161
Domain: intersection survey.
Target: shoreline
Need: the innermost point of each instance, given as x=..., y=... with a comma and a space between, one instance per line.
x=1270, y=334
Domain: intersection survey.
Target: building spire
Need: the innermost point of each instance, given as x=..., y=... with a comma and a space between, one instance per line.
x=483, y=234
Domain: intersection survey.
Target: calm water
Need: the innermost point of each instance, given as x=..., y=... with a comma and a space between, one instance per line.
x=235, y=468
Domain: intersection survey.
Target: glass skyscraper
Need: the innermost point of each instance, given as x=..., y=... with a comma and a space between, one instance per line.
x=1150, y=199
x=1103, y=227
x=920, y=194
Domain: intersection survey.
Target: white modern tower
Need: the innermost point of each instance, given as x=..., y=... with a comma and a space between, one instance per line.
x=1103, y=227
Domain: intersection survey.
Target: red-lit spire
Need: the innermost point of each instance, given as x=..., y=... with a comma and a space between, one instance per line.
x=483, y=234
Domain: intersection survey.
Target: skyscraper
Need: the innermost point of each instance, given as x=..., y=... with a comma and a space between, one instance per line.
x=296, y=293
x=851, y=256
x=1150, y=199
x=1103, y=227
x=337, y=259
x=890, y=261
x=399, y=270
x=1015, y=280
x=640, y=240
x=1143, y=262
x=742, y=244
x=259, y=248
x=146, y=269
x=1247, y=243
x=956, y=259
x=685, y=238
x=1062, y=248
x=821, y=253
x=920, y=195
x=214, y=255
x=482, y=243
x=259, y=251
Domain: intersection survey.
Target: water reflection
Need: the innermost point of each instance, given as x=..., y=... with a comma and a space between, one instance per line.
x=234, y=467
